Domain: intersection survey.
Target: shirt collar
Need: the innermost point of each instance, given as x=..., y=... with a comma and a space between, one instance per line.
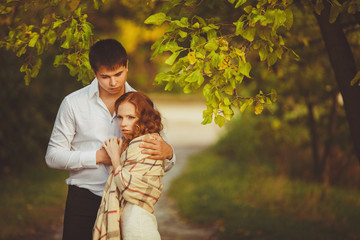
x=94, y=88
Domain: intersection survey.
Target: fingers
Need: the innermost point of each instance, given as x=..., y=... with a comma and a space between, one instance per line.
x=153, y=154
x=150, y=141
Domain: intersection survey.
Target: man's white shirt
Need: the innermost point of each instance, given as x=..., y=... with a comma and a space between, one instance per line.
x=82, y=124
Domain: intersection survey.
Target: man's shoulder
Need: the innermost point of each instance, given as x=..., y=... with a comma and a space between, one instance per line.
x=79, y=94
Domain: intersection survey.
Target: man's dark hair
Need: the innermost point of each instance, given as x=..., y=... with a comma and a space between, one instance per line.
x=108, y=53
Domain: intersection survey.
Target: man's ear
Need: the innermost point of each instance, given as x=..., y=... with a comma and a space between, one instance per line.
x=127, y=65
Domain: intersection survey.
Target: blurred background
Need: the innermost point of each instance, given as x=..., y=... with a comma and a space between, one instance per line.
x=289, y=173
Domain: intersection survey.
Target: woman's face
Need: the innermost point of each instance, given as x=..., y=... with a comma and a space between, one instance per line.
x=127, y=118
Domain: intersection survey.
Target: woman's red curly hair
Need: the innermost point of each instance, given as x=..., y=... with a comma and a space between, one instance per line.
x=149, y=118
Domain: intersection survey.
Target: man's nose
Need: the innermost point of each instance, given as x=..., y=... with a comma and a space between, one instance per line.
x=112, y=81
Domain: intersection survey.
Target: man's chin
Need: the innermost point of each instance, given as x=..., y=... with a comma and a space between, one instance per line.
x=115, y=90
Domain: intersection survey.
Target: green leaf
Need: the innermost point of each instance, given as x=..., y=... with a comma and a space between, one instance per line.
x=169, y=86
x=193, y=77
x=73, y=4
x=239, y=27
x=272, y=59
x=273, y=95
x=239, y=3
x=289, y=18
x=182, y=34
x=177, y=66
x=211, y=34
x=187, y=89
x=172, y=58
x=211, y=46
x=220, y=120
x=207, y=119
x=355, y=79
x=245, y=105
x=57, y=23
x=59, y=60
x=172, y=46
x=263, y=53
x=248, y=9
x=51, y=36
x=24, y=67
x=215, y=60
x=191, y=57
x=227, y=101
x=33, y=39
x=207, y=90
x=245, y=69
x=201, y=20
x=248, y=34
x=21, y=51
x=258, y=108
x=180, y=23
x=200, y=80
x=196, y=25
x=161, y=77
x=157, y=19
x=36, y=68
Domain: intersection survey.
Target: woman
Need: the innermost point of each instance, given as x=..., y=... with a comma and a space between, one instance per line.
x=134, y=185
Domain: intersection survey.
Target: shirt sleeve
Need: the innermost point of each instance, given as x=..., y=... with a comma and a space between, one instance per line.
x=59, y=154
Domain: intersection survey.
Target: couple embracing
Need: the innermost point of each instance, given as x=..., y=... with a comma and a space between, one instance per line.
x=110, y=139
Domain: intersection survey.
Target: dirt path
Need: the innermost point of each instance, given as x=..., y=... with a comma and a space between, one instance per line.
x=185, y=132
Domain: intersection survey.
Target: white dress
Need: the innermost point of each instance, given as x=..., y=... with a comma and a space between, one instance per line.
x=139, y=224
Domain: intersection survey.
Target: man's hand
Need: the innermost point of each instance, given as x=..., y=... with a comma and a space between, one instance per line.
x=102, y=157
x=158, y=148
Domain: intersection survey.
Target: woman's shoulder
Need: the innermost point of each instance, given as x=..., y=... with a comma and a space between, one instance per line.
x=133, y=150
x=138, y=139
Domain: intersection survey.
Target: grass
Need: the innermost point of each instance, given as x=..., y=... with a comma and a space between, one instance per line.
x=252, y=201
x=32, y=201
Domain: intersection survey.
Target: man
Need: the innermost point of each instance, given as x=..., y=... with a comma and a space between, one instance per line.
x=84, y=121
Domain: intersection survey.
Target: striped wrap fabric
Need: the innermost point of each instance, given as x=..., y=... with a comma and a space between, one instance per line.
x=137, y=180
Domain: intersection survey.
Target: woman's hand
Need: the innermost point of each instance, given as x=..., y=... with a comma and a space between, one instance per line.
x=113, y=148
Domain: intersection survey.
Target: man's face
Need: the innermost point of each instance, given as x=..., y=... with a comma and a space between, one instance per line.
x=112, y=82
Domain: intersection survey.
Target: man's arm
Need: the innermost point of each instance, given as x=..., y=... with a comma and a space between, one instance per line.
x=59, y=154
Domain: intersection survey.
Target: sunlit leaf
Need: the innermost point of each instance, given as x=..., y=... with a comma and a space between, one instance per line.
x=191, y=57
x=157, y=19
x=258, y=108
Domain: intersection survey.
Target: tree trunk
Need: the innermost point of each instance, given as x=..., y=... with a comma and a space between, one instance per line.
x=344, y=67
x=330, y=138
x=314, y=141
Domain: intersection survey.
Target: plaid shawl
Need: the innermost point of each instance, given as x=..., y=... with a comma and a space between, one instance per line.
x=137, y=180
